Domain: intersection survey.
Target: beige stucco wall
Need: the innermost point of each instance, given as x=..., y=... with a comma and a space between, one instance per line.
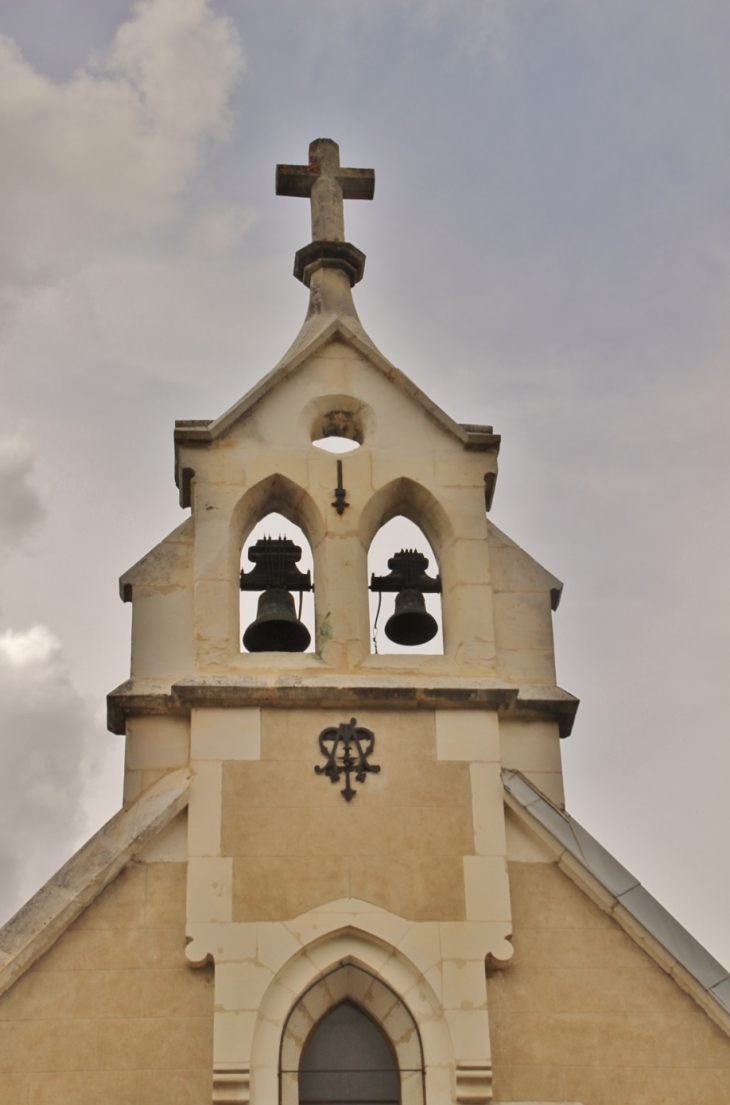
x=112, y=1014
x=583, y=1014
x=297, y=844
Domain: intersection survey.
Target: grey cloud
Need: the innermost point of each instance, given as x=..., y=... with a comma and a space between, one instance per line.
x=48, y=734
x=113, y=147
x=22, y=505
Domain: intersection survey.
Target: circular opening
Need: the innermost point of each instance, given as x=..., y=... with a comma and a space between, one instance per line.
x=337, y=431
x=336, y=444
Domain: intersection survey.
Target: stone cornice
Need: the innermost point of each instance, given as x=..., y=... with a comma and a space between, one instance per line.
x=177, y=699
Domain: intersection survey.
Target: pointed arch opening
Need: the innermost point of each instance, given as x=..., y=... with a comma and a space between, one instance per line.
x=398, y=534
x=350, y=1039
x=275, y=506
x=348, y=1059
x=275, y=526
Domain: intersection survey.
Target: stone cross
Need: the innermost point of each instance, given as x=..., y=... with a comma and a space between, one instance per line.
x=326, y=185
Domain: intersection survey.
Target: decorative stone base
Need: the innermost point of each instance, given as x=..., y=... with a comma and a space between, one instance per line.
x=231, y=1084
x=331, y=255
x=474, y=1083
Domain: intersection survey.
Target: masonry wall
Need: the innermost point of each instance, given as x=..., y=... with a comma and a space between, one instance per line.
x=112, y=1015
x=583, y=1014
x=297, y=844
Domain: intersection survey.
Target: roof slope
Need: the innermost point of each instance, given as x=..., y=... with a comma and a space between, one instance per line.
x=620, y=893
x=48, y=914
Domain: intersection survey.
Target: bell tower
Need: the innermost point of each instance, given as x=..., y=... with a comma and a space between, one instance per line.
x=346, y=841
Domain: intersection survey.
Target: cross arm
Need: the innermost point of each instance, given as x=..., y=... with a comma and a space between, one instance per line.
x=297, y=180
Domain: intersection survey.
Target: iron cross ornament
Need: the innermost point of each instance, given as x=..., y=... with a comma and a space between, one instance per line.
x=347, y=748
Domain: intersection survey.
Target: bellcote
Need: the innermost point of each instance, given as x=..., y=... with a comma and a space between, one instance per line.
x=413, y=460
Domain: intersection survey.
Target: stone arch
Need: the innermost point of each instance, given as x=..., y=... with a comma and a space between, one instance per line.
x=350, y=947
x=274, y=494
x=348, y=982
x=406, y=497
x=278, y=494
x=415, y=502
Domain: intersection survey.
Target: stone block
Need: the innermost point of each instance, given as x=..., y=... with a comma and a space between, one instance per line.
x=459, y=468
x=225, y=734
x=467, y=735
x=276, y=945
x=523, y=620
x=156, y=1043
x=40, y=1045
x=527, y=665
x=273, y=888
x=471, y=561
x=486, y=888
x=420, y=888
x=80, y=1088
x=176, y=992
x=190, y=1087
x=215, y=602
x=157, y=743
x=241, y=986
x=530, y=745
x=204, y=809
x=162, y=633
x=257, y=831
x=422, y=945
x=469, y=1033
x=488, y=809
x=210, y=889
x=165, y=896
x=522, y=846
x=213, y=508
x=132, y=786
x=464, y=984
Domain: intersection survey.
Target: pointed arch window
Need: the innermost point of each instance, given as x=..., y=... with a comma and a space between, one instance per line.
x=276, y=525
x=350, y=1040
x=347, y=1059
x=400, y=534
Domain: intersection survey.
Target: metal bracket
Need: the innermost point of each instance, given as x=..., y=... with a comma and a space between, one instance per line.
x=340, y=501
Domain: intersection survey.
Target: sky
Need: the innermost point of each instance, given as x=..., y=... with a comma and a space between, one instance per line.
x=548, y=252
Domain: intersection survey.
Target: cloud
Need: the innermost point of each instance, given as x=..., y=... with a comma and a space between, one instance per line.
x=220, y=228
x=112, y=148
x=49, y=749
x=477, y=27
x=336, y=31
x=22, y=505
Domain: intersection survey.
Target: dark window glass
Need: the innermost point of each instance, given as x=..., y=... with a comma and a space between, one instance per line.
x=346, y=1061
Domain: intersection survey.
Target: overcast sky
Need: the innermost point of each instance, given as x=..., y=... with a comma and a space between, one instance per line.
x=548, y=251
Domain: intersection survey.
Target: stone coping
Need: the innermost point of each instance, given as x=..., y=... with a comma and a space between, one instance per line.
x=177, y=699
x=620, y=893
x=39, y=923
x=348, y=330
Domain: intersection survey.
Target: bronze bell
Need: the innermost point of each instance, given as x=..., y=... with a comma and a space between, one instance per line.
x=276, y=627
x=411, y=624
